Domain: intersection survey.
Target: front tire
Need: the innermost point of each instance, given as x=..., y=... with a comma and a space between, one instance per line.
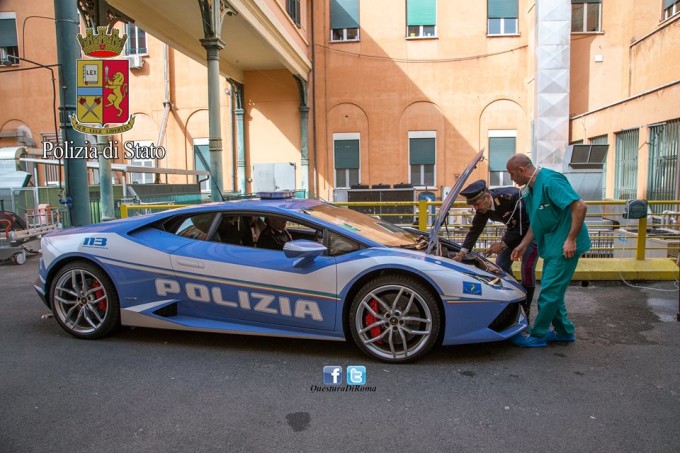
x=84, y=301
x=395, y=319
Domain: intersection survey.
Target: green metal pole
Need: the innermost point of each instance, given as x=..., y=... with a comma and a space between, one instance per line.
x=241, y=150
x=105, y=182
x=304, y=149
x=213, y=47
x=75, y=169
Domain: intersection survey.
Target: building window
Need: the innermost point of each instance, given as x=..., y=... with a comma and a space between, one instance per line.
x=502, y=17
x=202, y=162
x=142, y=178
x=346, y=153
x=421, y=18
x=344, y=20
x=602, y=140
x=8, y=38
x=422, y=147
x=293, y=10
x=670, y=8
x=502, y=145
x=136, y=42
x=625, y=173
x=586, y=16
x=662, y=179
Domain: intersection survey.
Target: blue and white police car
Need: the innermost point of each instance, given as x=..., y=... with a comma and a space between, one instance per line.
x=340, y=274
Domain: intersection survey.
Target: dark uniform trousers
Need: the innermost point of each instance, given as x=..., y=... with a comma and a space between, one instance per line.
x=514, y=216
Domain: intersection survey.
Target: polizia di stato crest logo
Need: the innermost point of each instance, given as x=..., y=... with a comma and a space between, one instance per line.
x=103, y=93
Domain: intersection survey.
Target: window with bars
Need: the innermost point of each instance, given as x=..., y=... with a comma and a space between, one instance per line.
x=293, y=10
x=8, y=38
x=344, y=20
x=670, y=8
x=136, y=42
x=625, y=163
x=500, y=150
x=502, y=17
x=422, y=157
x=346, y=154
x=602, y=140
x=662, y=180
x=421, y=18
x=586, y=16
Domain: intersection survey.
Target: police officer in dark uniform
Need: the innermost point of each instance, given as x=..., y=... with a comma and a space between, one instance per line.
x=275, y=235
x=502, y=205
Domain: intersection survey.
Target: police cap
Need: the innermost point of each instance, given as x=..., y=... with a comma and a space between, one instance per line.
x=474, y=191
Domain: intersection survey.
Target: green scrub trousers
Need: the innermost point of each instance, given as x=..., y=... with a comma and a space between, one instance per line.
x=557, y=274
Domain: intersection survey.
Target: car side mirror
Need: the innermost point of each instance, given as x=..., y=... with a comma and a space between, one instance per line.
x=303, y=249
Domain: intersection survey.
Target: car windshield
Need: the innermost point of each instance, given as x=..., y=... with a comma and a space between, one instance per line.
x=369, y=227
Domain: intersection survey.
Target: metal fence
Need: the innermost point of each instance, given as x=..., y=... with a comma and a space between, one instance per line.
x=611, y=235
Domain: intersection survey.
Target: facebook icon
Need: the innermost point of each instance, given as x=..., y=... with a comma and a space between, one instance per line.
x=332, y=375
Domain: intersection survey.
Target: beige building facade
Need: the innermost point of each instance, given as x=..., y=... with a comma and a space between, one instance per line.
x=397, y=91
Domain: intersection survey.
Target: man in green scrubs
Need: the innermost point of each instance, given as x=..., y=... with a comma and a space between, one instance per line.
x=556, y=214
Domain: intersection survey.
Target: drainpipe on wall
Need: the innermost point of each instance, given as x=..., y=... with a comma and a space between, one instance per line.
x=315, y=180
x=166, y=105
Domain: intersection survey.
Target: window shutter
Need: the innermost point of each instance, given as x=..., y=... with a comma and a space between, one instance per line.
x=422, y=151
x=344, y=14
x=346, y=153
x=421, y=12
x=500, y=150
x=8, y=33
x=588, y=1
x=668, y=3
x=500, y=9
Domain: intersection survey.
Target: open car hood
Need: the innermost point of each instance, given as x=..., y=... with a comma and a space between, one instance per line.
x=448, y=201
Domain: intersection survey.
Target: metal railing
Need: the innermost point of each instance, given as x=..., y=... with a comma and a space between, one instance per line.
x=612, y=236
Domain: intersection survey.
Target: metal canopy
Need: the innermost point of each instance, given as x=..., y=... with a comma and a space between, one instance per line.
x=255, y=38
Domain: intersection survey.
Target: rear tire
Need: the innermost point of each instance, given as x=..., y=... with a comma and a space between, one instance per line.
x=84, y=301
x=395, y=319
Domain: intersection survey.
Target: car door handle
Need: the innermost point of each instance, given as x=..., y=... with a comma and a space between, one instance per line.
x=191, y=263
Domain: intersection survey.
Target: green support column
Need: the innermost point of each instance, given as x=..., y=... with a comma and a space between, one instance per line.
x=213, y=47
x=239, y=113
x=105, y=182
x=213, y=13
x=241, y=150
x=75, y=170
x=304, y=139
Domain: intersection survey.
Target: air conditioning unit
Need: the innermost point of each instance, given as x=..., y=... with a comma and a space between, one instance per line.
x=136, y=61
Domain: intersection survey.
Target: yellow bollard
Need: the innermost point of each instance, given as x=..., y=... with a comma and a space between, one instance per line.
x=641, y=239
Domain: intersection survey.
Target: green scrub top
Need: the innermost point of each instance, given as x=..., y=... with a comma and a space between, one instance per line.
x=547, y=205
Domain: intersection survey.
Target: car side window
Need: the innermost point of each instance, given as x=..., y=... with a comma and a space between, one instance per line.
x=196, y=226
x=339, y=245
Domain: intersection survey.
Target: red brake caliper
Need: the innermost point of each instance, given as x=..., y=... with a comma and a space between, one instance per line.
x=370, y=319
x=101, y=305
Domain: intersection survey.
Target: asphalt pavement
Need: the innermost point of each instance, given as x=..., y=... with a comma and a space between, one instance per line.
x=616, y=389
